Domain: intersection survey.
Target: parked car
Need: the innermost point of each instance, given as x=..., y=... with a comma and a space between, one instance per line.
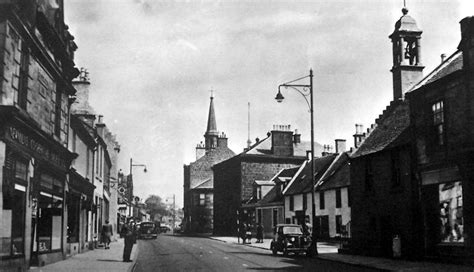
x=165, y=228
x=147, y=230
x=290, y=238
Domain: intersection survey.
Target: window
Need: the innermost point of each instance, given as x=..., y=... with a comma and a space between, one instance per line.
x=451, y=212
x=369, y=175
x=321, y=200
x=259, y=216
x=23, y=77
x=292, y=203
x=57, y=113
x=259, y=192
x=202, y=199
x=338, y=224
x=338, y=198
x=305, y=201
x=13, y=210
x=438, y=122
x=49, y=223
x=396, y=173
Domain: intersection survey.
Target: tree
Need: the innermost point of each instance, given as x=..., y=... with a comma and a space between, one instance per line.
x=155, y=206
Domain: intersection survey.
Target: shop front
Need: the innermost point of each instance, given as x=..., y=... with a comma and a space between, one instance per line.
x=79, y=205
x=32, y=207
x=443, y=197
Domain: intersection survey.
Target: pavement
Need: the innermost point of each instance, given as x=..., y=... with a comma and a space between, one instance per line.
x=99, y=259
x=328, y=251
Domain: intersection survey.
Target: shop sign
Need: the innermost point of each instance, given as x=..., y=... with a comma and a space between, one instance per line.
x=38, y=148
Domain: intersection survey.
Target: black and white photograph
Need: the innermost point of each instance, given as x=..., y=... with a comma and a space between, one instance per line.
x=236, y=135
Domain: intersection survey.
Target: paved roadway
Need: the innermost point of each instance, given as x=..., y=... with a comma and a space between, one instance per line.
x=180, y=253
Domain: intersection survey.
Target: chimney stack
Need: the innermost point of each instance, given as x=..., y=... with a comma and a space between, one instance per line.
x=296, y=137
x=282, y=140
x=340, y=145
x=359, y=136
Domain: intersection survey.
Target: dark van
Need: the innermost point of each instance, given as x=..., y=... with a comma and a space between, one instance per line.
x=147, y=230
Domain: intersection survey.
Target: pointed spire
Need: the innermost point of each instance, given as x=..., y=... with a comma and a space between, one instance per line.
x=211, y=120
x=211, y=134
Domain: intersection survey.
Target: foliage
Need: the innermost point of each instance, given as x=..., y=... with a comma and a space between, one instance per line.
x=155, y=207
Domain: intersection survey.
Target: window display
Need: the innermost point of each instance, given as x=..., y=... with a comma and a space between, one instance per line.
x=451, y=212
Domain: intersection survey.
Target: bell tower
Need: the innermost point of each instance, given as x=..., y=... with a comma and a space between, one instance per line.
x=407, y=69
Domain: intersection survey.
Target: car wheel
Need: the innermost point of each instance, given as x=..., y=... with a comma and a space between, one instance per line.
x=274, y=250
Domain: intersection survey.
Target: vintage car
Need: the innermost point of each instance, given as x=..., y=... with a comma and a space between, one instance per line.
x=147, y=230
x=290, y=238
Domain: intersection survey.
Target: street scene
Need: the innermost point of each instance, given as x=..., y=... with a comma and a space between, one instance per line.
x=141, y=135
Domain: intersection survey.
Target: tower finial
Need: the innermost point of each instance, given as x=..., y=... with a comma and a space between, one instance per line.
x=404, y=9
x=212, y=93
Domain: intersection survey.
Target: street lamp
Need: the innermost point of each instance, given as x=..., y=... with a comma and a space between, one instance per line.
x=131, y=180
x=306, y=90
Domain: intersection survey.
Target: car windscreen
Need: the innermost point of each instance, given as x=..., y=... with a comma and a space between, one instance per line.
x=147, y=226
x=292, y=230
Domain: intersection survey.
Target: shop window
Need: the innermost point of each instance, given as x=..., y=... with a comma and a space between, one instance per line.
x=12, y=224
x=451, y=212
x=49, y=222
x=437, y=110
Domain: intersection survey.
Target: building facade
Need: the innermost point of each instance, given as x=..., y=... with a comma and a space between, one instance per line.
x=441, y=118
x=234, y=199
x=34, y=105
x=199, y=179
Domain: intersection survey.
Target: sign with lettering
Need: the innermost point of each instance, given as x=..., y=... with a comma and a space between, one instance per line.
x=35, y=146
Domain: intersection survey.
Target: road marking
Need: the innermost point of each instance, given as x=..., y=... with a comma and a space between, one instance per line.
x=244, y=265
x=226, y=258
x=210, y=252
x=200, y=247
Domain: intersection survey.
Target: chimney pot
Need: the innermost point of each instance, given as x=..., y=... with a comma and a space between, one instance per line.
x=443, y=57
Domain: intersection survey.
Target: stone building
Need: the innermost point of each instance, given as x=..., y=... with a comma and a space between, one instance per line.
x=384, y=191
x=442, y=121
x=34, y=124
x=199, y=179
x=234, y=178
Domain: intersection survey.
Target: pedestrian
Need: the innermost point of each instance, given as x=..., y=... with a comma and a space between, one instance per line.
x=242, y=232
x=248, y=233
x=128, y=233
x=259, y=233
x=107, y=233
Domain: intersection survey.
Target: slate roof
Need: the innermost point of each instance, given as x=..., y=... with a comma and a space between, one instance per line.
x=264, y=147
x=391, y=128
x=301, y=182
x=388, y=131
x=337, y=175
x=211, y=158
x=274, y=196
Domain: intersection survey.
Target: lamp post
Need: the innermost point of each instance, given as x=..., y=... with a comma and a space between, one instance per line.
x=130, y=192
x=306, y=90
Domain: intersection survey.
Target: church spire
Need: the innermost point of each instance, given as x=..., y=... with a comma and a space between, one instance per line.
x=211, y=134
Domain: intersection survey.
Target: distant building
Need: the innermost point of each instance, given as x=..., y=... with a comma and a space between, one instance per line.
x=234, y=196
x=199, y=179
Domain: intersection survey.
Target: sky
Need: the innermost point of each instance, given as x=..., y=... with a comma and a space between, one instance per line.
x=153, y=63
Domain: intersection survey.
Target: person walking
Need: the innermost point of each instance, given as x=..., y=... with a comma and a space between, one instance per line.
x=107, y=233
x=259, y=233
x=128, y=233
